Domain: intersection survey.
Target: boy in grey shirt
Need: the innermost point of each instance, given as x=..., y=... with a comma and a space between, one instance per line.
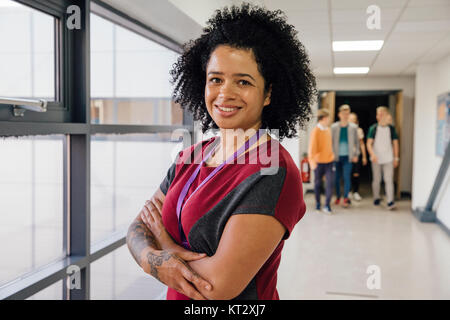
x=346, y=150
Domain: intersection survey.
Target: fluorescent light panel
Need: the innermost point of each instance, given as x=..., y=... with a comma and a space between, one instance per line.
x=366, y=45
x=351, y=70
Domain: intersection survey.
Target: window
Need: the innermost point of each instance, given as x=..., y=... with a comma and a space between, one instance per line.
x=125, y=171
x=52, y=292
x=129, y=78
x=27, y=52
x=63, y=176
x=117, y=277
x=31, y=204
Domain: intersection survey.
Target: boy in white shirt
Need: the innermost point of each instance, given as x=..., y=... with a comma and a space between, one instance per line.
x=382, y=145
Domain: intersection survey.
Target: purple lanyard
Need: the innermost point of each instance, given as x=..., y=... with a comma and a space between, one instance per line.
x=186, y=187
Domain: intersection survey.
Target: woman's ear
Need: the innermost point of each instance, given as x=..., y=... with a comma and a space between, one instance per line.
x=268, y=96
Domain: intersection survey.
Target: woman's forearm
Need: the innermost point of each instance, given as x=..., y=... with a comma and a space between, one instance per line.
x=210, y=270
x=141, y=241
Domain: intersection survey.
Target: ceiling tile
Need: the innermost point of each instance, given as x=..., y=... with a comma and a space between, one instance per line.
x=303, y=5
x=426, y=13
x=436, y=53
x=424, y=3
x=423, y=26
x=354, y=59
x=352, y=4
x=352, y=31
x=360, y=15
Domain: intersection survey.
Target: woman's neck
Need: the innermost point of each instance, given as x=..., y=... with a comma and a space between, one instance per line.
x=232, y=139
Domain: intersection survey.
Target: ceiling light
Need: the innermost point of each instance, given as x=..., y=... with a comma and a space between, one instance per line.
x=368, y=45
x=351, y=70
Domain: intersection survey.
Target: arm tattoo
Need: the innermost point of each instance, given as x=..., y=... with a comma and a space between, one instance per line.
x=140, y=237
x=156, y=260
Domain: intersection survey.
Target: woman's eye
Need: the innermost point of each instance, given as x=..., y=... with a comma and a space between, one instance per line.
x=214, y=80
x=244, y=82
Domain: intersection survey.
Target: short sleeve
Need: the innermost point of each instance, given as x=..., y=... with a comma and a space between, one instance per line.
x=165, y=184
x=360, y=133
x=371, y=133
x=394, y=133
x=276, y=195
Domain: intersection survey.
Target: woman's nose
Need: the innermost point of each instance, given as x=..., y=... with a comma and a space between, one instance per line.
x=227, y=90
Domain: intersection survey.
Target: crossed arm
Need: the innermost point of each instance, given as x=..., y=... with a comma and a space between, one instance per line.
x=247, y=242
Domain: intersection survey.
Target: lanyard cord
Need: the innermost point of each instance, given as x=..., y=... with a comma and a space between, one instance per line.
x=252, y=140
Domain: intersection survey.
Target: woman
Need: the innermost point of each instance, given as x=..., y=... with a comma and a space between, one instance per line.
x=356, y=169
x=215, y=229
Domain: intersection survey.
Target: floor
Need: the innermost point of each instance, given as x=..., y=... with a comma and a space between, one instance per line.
x=365, y=252
x=362, y=252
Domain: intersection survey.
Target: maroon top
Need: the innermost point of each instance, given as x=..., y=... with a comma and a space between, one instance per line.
x=236, y=189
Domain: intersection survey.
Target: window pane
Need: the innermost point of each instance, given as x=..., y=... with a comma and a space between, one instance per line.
x=53, y=292
x=117, y=276
x=31, y=204
x=125, y=171
x=129, y=77
x=27, y=52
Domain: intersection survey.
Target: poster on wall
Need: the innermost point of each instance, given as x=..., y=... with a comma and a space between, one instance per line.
x=443, y=123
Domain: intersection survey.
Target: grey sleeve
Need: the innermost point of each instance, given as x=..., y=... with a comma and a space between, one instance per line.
x=165, y=184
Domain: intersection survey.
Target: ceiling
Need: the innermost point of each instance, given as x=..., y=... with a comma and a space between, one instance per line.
x=414, y=31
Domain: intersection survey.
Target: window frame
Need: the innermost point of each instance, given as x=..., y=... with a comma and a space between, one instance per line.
x=74, y=121
x=59, y=109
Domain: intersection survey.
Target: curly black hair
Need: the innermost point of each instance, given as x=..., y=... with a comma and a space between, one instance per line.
x=281, y=58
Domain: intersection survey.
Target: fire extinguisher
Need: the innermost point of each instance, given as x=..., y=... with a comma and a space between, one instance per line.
x=305, y=169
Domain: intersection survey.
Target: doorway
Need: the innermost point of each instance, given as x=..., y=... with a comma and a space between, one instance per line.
x=365, y=107
x=364, y=104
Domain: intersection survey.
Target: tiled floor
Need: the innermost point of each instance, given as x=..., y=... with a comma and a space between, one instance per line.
x=327, y=256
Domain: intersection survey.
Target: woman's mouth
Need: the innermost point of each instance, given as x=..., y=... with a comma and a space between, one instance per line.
x=227, y=110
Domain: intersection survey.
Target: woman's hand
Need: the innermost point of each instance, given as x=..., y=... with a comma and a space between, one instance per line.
x=169, y=264
x=171, y=269
x=151, y=216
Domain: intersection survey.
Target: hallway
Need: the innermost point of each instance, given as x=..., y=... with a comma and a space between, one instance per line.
x=326, y=256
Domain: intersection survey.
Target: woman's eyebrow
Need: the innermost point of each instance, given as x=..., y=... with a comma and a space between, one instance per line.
x=235, y=74
x=244, y=75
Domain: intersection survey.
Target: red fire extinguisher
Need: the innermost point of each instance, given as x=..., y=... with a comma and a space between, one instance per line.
x=305, y=169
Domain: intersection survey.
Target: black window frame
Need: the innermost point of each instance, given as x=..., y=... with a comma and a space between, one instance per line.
x=73, y=121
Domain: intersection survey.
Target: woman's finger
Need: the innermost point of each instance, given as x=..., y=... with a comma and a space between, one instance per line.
x=194, y=278
x=188, y=290
x=155, y=215
x=158, y=204
x=148, y=214
x=154, y=210
x=187, y=255
x=145, y=220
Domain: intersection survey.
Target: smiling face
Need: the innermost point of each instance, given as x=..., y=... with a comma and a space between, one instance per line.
x=234, y=90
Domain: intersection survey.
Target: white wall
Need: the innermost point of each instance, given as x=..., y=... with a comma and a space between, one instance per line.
x=368, y=83
x=431, y=80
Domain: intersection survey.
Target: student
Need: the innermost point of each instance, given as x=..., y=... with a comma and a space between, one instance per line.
x=246, y=73
x=382, y=145
x=321, y=158
x=346, y=150
x=356, y=167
